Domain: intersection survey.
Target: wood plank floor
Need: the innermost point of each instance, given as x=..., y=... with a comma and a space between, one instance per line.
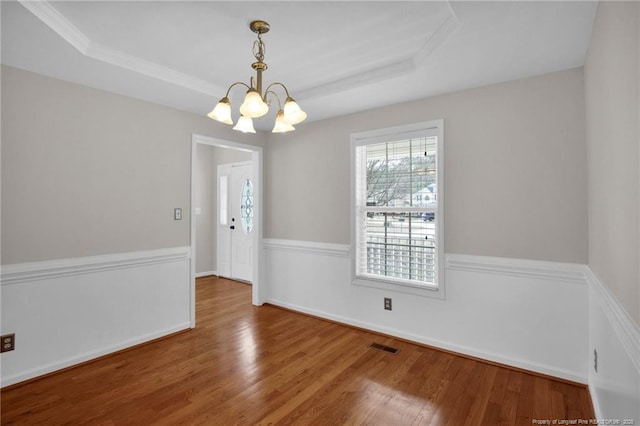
x=248, y=365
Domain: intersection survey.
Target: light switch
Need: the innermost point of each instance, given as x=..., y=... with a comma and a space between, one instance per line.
x=177, y=214
x=198, y=211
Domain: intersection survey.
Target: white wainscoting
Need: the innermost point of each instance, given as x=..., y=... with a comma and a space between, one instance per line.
x=68, y=311
x=615, y=387
x=527, y=314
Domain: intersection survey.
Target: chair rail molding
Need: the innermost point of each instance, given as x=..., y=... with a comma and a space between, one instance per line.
x=47, y=269
x=68, y=311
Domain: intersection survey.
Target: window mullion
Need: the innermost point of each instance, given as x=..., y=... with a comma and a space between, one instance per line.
x=411, y=203
x=386, y=203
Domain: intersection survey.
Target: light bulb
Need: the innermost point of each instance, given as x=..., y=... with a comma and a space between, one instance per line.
x=292, y=112
x=244, y=125
x=281, y=125
x=222, y=111
x=253, y=106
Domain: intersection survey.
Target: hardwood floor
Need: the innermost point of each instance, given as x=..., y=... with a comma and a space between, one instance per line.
x=246, y=365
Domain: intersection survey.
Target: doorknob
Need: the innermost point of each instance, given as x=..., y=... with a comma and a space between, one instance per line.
x=232, y=227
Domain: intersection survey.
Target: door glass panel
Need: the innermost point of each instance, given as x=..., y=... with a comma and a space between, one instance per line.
x=246, y=206
x=224, y=188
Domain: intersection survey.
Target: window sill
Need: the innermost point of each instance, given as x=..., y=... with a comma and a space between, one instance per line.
x=435, y=292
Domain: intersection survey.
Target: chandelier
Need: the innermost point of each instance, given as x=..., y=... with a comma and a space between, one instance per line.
x=256, y=102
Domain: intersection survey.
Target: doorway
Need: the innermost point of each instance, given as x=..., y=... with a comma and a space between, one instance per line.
x=235, y=221
x=251, y=209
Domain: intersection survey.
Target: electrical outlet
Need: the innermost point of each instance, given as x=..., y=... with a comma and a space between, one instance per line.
x=8, y=342
x=595, y=360
x=387, y=303
x=177, y=214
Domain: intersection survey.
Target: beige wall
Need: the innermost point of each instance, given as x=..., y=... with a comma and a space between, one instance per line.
x=107, y=170
x=515, y=170
x=205, y=175
x=612, y=123
x=206, y=195
x=87, y=172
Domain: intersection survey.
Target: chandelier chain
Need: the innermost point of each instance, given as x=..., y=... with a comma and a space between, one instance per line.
x=259, y=49
x=256, y=103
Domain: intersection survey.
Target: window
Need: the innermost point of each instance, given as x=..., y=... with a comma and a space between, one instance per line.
x=224, y=196
x=397, y=208
x=246, y=207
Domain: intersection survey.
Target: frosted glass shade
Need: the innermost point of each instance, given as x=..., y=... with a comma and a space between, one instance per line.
x=281, y=125
x=244, y=125
x=253, y=106
x=292, y=112
x=222, y=111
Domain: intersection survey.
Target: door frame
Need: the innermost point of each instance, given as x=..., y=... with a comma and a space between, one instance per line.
x=257, y=296
x=231, y=167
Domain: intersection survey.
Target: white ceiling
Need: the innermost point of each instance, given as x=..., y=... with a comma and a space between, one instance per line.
x=335, y=57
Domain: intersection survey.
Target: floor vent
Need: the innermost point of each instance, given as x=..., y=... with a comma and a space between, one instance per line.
x=384, y=348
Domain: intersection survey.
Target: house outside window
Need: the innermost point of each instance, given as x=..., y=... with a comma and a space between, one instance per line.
x=397, y=205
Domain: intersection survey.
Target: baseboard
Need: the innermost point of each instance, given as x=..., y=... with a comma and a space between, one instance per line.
x=626, y=330
x=462, y=350
x=206, y=274
x=594, y=401
x=41, y=371
x=538, y=323
x=68, y=311
x=613, y=387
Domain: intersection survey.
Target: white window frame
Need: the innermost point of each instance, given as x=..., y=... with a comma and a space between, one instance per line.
x=428, y=128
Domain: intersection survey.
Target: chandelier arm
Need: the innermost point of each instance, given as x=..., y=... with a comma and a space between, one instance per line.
x=274, y=94
x=256, y=104
x=235, y=84
x=279, y=84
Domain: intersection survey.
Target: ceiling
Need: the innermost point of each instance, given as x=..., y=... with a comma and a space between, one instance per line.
x=334, y=57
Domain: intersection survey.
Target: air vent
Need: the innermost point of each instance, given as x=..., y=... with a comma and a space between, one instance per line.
x=384, y=348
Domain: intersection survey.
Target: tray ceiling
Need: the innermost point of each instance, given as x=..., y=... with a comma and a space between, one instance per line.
x=335, y=57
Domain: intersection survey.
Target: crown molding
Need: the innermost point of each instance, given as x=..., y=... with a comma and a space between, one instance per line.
x=359, y=79
x=447, y=27
x=151, y=69
x=55, y=20
x=58, y=23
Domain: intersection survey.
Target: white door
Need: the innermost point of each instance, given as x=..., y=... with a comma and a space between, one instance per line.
x=235, y=221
